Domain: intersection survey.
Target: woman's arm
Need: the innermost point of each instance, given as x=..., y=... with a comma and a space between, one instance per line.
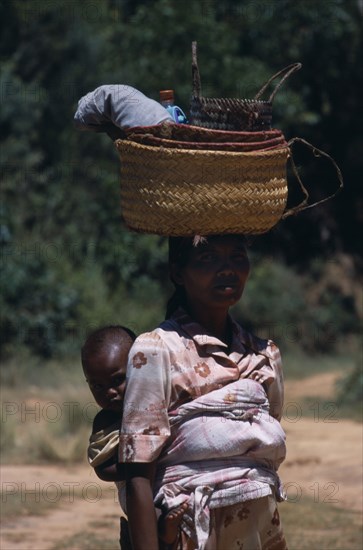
x=140, y=506
x=145, y=429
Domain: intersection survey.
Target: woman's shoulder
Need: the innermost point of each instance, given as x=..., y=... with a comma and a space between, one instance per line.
x=263, y=346
x=166, y=335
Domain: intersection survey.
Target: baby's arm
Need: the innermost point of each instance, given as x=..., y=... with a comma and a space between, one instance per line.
x=110, y=469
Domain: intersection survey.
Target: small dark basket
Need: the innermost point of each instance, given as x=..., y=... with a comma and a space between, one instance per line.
x=233, y=114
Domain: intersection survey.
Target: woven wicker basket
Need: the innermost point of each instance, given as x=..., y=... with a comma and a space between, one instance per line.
x=233, y=114
x=182, y=192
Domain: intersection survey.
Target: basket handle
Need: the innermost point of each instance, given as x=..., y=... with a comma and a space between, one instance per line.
x=197, y=82
x=317, y=153
x=289, y=70
x=195, y=72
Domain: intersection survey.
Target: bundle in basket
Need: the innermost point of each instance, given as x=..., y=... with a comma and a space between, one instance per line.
x=183, y=191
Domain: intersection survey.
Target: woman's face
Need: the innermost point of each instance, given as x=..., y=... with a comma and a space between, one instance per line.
x=216, y=272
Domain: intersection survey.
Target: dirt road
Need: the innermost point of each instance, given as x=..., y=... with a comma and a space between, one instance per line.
x=325, y=452
x=324, y=463
x=76, y=501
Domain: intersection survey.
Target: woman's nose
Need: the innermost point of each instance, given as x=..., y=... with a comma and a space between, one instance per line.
x=226, y=267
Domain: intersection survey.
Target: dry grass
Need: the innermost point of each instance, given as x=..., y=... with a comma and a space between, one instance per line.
x=87, y=541
x=17, y=505
x=310, y=525
x=45, y=425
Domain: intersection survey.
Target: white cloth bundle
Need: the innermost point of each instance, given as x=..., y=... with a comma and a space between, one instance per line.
x=118, y=106
x=225, y=448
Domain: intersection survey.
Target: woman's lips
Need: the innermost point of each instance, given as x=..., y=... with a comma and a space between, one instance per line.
x=227, y=283
x=226, y=288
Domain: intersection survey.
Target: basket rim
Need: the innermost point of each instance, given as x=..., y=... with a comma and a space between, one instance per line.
x=200, y=152
x=199, y=128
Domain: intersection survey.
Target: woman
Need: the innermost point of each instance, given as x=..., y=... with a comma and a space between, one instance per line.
x=199, y=348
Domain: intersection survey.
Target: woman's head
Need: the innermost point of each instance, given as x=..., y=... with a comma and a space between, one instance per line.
x=104, y=362
x=208, y=272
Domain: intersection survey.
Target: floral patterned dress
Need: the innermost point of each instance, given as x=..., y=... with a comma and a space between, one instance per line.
x=172, y=365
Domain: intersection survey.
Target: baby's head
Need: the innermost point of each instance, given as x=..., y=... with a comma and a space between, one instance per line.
x=104, y=362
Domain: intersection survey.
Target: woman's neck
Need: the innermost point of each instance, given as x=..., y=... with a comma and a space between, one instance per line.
x=215, y=321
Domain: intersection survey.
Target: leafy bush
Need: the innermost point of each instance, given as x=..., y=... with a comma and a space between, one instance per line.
x=35, y=301
x=306, y=310
x=61, y=187
x=265, y=305
x=49, y=304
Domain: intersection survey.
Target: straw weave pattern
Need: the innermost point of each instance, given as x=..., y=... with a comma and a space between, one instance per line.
x=181, y=192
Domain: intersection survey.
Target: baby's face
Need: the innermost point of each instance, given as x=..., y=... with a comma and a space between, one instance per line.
x=106, y=376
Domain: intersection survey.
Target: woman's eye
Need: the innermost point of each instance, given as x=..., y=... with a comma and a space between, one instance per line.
x=207, y=257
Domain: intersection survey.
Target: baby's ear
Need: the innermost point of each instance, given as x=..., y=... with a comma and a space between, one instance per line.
x=176, y=274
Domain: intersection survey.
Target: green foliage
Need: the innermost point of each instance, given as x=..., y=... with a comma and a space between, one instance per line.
x=51, y=306
x=296, y=309
x=35, y=301
x=68, y=261
x=265, y=301
x=7, y=433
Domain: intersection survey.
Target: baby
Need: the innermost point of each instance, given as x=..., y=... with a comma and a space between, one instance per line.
x=104, y=361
